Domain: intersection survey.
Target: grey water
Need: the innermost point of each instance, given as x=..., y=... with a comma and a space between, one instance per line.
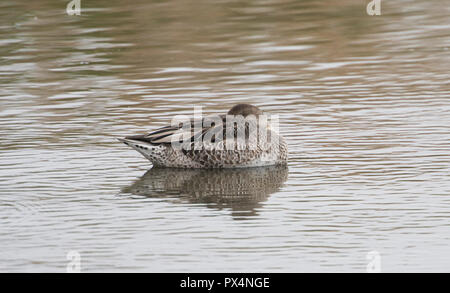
x=363, y=101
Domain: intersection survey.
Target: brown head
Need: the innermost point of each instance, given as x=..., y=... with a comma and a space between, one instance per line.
x=245, y=110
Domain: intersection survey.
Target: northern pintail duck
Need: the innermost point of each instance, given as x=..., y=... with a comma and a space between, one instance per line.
x=240, y=138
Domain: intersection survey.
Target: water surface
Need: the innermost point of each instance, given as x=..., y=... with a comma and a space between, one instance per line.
x=363, y=103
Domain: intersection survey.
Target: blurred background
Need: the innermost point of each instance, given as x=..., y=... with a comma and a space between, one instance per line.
x=363, y=102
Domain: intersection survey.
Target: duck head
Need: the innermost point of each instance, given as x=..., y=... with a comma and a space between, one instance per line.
x=245, y=110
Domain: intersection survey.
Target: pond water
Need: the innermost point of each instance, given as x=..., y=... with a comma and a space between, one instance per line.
x=363, y=102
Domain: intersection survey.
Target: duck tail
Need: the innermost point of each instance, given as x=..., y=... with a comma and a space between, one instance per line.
x=149, y=151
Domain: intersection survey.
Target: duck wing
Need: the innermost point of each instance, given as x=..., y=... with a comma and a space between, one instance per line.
x=187, y=131
x=206, y=140
x=221, y=146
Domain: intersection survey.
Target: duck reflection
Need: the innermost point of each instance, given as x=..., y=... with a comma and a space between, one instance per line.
x=241, y=190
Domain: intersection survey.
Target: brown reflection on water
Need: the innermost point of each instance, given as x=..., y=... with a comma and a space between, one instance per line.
x=240, y=190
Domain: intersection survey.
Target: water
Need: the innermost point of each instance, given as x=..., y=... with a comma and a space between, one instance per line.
x=363, y=102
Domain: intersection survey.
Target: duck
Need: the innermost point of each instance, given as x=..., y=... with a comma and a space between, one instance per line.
x=243, y=137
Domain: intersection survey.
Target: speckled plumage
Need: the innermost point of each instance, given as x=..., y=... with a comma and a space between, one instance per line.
x=210, y=146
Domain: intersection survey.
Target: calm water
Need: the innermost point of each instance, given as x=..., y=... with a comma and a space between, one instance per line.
x=363, y=102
